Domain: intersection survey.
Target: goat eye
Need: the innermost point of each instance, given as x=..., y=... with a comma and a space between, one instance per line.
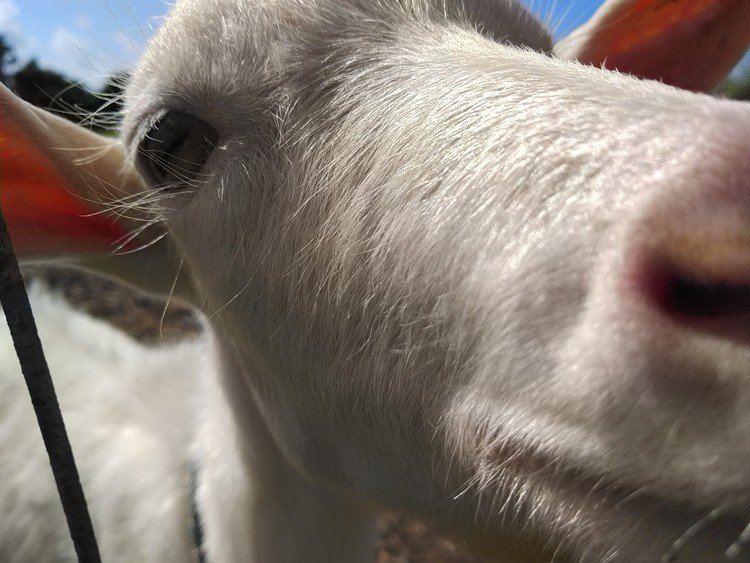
x=175, y=149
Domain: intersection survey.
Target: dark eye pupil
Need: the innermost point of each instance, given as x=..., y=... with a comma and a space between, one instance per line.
x=175, y=149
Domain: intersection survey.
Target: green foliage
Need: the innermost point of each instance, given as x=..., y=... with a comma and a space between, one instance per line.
x=7, y=58
x=114, y=89
x=57, y=93
x=736, y=88
x=52, y=91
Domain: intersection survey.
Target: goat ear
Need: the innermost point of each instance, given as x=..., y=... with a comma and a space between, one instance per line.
x=56, y=179
x=58, y=182
x=691, y=44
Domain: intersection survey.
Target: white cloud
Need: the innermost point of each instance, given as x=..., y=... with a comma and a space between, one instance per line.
x=72, y=54
x=79, y=47
x=9, y=19
x=10, y=27
x=77, y=53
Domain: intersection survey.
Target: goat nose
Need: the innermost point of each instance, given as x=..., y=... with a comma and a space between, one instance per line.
x=694, y=267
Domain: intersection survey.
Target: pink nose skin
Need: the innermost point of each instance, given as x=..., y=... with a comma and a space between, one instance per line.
x=690, y=256
x=694, y=265
x=703, y=287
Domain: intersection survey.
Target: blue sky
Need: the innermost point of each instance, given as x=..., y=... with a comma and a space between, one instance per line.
x=84, y=39
x=89, y=39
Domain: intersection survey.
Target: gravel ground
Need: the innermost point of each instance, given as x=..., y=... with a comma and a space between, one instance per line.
x=401, y=539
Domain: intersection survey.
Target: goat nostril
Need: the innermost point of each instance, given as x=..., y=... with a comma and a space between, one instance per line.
x=704, y=299
x=704, y=303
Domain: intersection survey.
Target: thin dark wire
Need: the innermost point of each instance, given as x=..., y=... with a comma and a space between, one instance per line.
x=23, y=330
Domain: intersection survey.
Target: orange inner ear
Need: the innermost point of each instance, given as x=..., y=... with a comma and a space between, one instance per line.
x=643, y=20
x=692, y=44
x=41, y=213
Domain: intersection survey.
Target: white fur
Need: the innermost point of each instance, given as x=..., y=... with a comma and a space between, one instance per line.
x=413, y=243
x=149, y=426
x=129, y=410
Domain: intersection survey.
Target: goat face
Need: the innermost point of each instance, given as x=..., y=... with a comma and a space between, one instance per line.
x=461, y=276
x=451, y=268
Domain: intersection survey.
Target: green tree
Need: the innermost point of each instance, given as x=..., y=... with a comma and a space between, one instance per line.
x=7, y=58
x=53, y=91
x=736, y=88
x=113, y=90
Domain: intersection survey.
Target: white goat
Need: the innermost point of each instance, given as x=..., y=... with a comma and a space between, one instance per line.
x=445, y=272
x=133, y=413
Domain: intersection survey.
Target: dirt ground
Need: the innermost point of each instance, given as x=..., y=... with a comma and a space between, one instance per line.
x=401, y=539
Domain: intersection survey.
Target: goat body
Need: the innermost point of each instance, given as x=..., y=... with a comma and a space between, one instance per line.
x=445, y=271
